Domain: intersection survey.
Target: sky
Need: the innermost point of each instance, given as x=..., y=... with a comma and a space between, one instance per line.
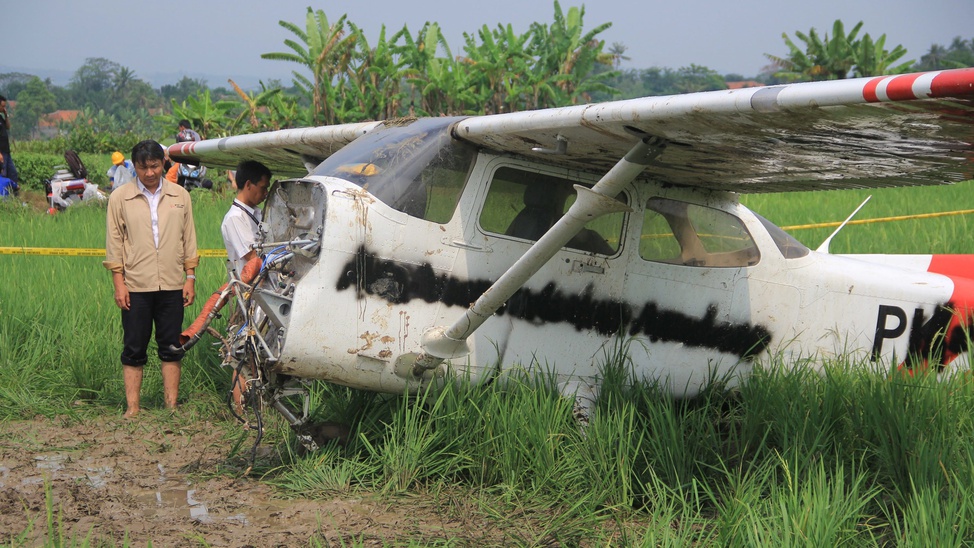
x=218, y=39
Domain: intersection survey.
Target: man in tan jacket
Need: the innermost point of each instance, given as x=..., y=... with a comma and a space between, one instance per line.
x=151, y=253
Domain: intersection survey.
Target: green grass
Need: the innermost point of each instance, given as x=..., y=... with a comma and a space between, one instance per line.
x=948, y=234
x=796, y=456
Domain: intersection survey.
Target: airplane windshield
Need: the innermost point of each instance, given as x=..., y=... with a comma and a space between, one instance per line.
x=416, y=168
x=790, y=247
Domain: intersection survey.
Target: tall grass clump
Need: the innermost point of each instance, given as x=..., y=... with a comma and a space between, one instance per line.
x=933, y=517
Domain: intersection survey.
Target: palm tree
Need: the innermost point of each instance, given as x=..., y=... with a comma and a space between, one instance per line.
x=934, y=59
x=618, y=52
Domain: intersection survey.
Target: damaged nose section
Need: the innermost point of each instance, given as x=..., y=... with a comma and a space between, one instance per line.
x=288, y=246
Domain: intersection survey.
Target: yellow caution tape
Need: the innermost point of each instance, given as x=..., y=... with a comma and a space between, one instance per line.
x=53, y=251
x=881, y=219
x=86, y=252
x=218, y=253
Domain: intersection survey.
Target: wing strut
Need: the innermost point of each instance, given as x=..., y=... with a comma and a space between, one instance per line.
x=441, y=343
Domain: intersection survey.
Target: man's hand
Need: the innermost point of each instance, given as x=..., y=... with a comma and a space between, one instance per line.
x=189, y=292
x=122, y=299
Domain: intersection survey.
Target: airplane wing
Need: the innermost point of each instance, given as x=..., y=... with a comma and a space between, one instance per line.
x=901, y=130
x=288, y=152
x=913, y=129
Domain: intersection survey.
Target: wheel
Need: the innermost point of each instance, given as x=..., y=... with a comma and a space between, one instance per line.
x=75, y=164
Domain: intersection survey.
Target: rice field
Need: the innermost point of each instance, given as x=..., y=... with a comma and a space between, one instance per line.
x=850, y=457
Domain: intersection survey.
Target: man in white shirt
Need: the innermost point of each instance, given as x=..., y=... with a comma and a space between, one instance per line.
x=240, y=224
x=239, y=230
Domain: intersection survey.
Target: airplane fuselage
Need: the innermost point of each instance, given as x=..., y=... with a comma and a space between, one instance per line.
x=723, y=296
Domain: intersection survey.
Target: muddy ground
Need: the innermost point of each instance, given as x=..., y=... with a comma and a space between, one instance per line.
x=156, y=479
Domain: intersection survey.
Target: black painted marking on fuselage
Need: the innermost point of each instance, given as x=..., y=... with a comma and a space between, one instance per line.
x=940, y=339
x=400, y=283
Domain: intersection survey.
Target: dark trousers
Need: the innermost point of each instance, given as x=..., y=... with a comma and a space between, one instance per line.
x=9, y=169
x=162, y=308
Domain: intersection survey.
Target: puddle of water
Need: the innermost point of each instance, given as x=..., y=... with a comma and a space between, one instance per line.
x=50, y=462
x=180, y=498
x=240, y=519
x=96, y=476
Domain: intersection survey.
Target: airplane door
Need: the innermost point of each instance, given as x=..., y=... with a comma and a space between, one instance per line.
x=574, y=298
x=682, y=293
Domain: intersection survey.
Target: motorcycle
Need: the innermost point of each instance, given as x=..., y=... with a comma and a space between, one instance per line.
x=191, y=176
x=69, y=185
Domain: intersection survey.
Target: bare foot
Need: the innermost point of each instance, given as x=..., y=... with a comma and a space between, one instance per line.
x=130, y=413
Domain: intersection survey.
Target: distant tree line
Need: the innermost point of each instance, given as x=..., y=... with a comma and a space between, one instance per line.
x=343, y=77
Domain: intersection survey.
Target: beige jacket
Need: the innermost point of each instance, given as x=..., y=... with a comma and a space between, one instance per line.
x=130, y=247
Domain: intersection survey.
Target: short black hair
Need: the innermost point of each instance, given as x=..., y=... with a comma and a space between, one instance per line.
x=250, y=170
x=185, y=123
x=2, y=98
x=147, y=150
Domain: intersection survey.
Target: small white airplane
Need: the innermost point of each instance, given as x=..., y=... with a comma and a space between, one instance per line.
x=406, y=250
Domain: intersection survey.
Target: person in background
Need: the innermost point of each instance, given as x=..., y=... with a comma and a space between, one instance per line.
x=121, y=172
x=7, y=187
x=9, y=170
x=150, y=249
x=186, y=133
x=167, y=163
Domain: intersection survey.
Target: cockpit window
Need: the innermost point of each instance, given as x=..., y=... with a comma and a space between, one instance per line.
x=524, y=204
x=790, y=247
x=418, y=169
x=692, y=235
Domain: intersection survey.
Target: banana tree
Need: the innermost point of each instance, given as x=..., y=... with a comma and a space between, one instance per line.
x=441, y=83
x=571, y=56
x=210, y=118
x=253, y=102
x=821, y=58
x=499, y=65
x=374, y=91
x=325, y=53
x=872, y=58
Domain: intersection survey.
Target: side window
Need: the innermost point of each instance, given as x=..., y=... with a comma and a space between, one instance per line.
x=657, y=242
x=525, y=205
x=692, y=235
